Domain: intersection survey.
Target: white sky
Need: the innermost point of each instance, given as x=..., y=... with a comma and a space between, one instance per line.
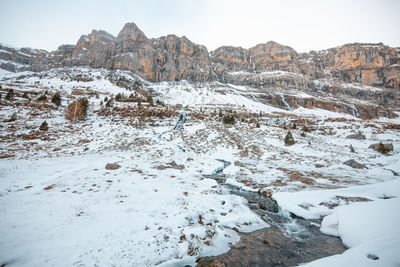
x=302, y=24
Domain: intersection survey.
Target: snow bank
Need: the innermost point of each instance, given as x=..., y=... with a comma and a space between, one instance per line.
x=314, y=204
x=370, y=229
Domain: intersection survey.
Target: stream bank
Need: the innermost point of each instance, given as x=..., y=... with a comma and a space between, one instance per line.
x=289, y=241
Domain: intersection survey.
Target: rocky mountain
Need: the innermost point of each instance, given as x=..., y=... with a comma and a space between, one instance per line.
x=342, y=72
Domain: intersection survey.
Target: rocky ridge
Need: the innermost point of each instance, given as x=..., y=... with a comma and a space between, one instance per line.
x=345, y=72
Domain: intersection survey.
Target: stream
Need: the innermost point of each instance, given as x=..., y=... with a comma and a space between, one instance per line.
x=289, y=241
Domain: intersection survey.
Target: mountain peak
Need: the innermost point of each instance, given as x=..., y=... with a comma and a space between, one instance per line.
x=131, y=32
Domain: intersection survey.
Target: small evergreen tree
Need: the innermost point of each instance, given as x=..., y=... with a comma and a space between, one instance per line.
x=42, y=98
x=383, y=149
x=228, y=119
x=56, y=99
x=84, y=103
x=150, y=100
x=10, y=94
x=289, y=139
x=44, y=126
x=118, y=97
x=109, y=103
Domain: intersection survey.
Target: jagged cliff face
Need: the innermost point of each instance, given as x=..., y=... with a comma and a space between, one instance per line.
x=173, y=58
x=269, y=65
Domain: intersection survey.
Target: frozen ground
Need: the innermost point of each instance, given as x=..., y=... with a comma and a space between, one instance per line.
x=369, y=228
x=61, y=207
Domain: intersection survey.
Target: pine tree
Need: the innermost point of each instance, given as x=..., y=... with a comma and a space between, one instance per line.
x=289, y=139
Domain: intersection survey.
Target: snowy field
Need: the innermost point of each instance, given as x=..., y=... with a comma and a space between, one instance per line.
x=60, y=206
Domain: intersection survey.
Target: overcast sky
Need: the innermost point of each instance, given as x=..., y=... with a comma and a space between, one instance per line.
x=302, y=24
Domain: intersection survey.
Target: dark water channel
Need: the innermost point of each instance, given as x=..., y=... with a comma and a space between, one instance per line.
x=289, y=241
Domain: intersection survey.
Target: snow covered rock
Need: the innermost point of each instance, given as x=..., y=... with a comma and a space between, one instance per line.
x=354, y=164
x=357, y=136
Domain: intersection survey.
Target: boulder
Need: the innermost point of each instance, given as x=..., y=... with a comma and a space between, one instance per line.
x=354, y=164
x=112, y=166
x=357, y=136
x=382, y=148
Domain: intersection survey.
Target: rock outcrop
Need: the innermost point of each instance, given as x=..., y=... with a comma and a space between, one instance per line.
x=343, y=72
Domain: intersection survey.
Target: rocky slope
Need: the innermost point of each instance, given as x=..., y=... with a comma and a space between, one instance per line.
x=342, y=72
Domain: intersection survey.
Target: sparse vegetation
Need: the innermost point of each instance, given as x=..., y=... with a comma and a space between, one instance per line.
x=118, y=97
x=109, y=103
x=150, y=100
x=10, y=94
x=383, y=149
x=352, y=149
x=56, y=99
x=44, y=126
x=289, y=139
x=228, y=119
x=42, y=98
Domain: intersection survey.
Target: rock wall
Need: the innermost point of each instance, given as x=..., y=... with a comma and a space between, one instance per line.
x=269, y=65
x=173, y=58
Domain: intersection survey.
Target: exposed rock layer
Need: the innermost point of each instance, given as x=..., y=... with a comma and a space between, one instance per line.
x=269, y=65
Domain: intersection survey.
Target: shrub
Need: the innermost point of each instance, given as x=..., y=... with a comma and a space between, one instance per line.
x=85, y=104
x=42, y=98
x=109, y=103
x=118, y=97
x=56, y=99
x=352, y=149
x=77, y=110
x=289, y=139
x=25, y=95
x=228, y=119
x=137, y=85
x=383, y=149
x=150, y=100
x=10, y=94
x=44, y=126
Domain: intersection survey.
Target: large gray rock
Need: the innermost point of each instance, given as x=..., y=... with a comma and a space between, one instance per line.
x=354, y=164
x=357, y=136
x=382, y=148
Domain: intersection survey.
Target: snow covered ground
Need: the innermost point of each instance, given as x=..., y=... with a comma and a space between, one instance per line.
x=71, y=211
x=369, y=226
x=61, y=207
